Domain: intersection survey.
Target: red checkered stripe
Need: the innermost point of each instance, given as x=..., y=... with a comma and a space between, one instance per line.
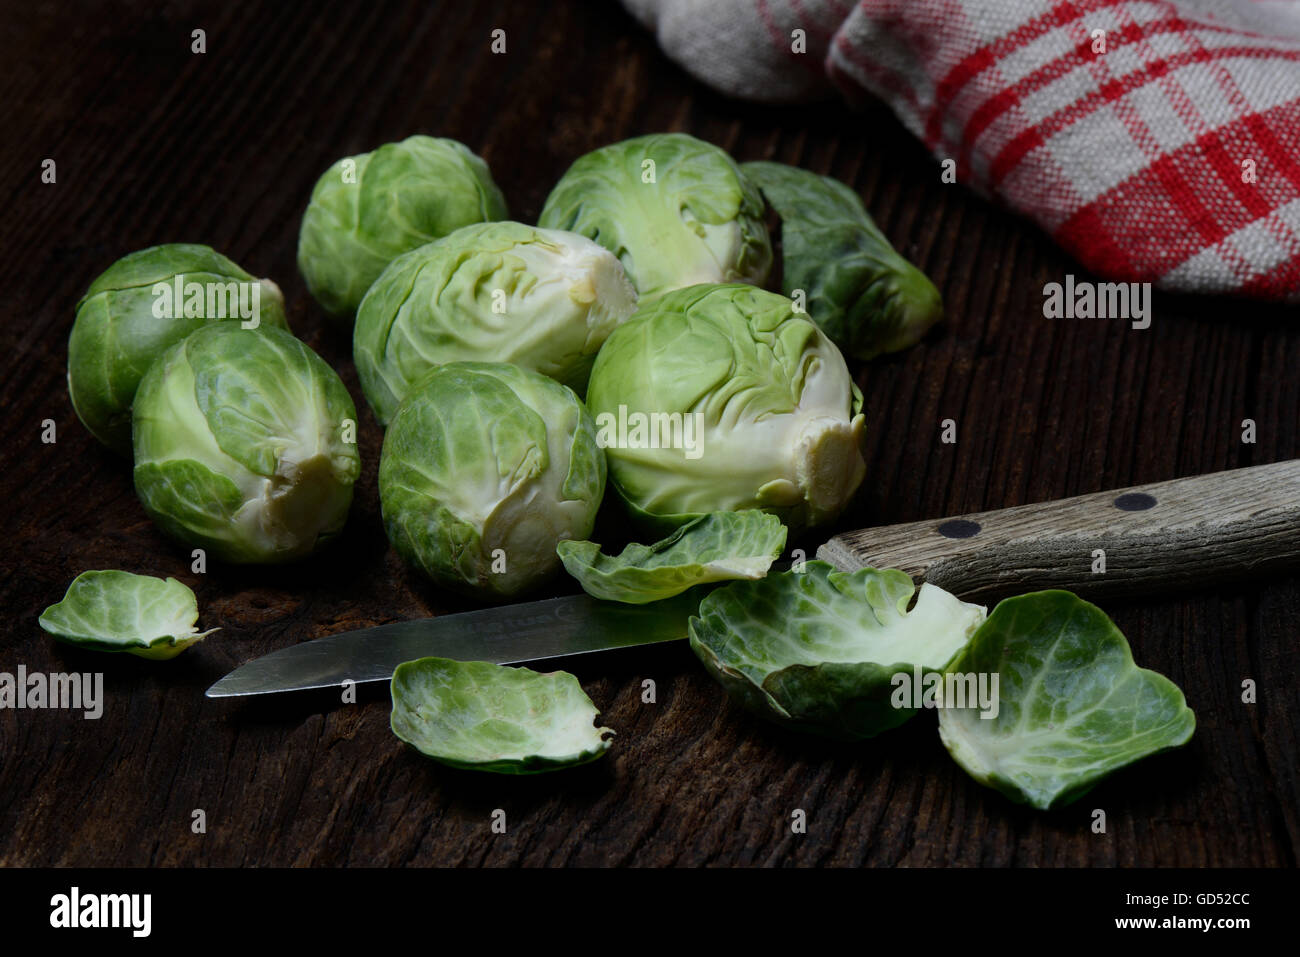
x=1132, y=158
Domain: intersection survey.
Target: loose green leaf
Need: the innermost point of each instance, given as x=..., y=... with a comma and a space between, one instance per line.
x=485, y=717
x=1073, y=707
x=715, y=547
x=859, y=290
x=818, y=650
x=117, y=611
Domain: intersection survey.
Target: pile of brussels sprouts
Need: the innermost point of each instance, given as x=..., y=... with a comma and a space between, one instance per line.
x=477, y=340
x=635, y=334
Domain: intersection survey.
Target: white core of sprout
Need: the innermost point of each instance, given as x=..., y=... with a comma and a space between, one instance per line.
x=724, y=242
x=828, y=462
x=289, y=508
x=573, y=277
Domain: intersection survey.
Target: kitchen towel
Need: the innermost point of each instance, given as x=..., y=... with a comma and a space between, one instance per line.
x=1156, y=141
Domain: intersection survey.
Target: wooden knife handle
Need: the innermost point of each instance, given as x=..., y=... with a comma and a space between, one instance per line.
x=1166, y=536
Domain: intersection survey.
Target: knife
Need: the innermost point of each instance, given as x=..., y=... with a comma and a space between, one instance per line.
x=1158, y=537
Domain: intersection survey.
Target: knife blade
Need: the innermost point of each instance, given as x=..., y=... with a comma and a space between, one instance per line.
x=510, y=634
x=1165, y=535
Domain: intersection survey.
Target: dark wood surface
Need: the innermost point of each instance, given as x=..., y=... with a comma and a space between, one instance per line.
x=154, y=144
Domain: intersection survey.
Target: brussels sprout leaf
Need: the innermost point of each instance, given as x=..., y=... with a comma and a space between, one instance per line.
x=486, y=717
x=715, y=547
x=818, y=650
x=118, y=611
x=1073, y=707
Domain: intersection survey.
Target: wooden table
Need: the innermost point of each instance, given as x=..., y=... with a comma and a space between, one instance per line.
x=154, y=143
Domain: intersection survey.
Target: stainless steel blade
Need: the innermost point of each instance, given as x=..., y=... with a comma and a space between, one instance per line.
x=512, y=634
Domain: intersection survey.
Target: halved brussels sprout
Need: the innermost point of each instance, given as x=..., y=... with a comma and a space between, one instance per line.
x=859, y=290
x=113, y=610
x=675, y=210
x=485, y=469
x=720, y=398
x=716, y=547
x=367, y=210
x=1072, y=705
x=245, y=444
x=137, y=308
x=494, y=292
x=818, y=650
x=486, y=717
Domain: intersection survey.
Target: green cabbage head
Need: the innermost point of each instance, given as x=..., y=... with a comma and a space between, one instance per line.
x=721, y=397
x=485, y=469
x=367, y=210
x=137, y=308
x=494, y=292
x=245, y=444
x=675, y=210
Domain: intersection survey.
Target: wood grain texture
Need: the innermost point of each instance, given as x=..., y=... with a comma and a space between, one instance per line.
x=1162, y=536
x=156, y=144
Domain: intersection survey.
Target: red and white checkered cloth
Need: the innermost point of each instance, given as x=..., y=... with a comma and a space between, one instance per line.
x=1171, y=157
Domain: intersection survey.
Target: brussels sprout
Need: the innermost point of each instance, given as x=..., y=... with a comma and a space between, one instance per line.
x=117, y=611
x=485, y=717
x=367, y=210
x=494, y=292
x=862, y=293
x=818, y=650
x=1072, y=705
x=719, y=398
x=136, y=309
x=675, y=210
x=716, y=547
x=245, y=444
x=485, y=469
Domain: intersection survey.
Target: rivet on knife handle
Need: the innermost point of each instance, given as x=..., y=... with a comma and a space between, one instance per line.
x=1166, y=536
